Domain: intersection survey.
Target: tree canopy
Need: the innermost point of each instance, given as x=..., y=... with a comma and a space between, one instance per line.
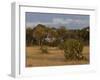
x=44, y=35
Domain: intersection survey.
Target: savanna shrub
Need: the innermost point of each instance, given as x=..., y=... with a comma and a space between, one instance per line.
x=44, y=49
x=61, y=46
x=73, y=49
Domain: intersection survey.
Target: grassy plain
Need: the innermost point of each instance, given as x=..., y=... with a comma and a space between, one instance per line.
x=54, y=57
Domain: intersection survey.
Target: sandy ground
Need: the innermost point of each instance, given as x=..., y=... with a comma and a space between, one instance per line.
x=55, y=57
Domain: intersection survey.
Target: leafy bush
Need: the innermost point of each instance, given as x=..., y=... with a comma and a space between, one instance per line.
x=61, y=46
x=73, y=49
x=44, y=49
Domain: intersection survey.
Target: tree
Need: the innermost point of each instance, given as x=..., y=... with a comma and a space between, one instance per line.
x=54, y=36
x=62, y=32
x=39, y=33
x=29, y=36
x=83, y=35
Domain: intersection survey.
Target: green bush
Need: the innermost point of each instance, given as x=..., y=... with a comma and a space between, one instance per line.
x=61, y=46
x=73, y=49
x=44, y=49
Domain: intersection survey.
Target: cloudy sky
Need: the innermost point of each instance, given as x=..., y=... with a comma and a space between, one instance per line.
x=70, y=21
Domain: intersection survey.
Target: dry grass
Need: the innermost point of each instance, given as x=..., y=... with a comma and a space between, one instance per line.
x=34, y=57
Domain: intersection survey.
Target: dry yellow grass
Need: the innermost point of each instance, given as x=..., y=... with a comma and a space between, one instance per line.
x=55, y=57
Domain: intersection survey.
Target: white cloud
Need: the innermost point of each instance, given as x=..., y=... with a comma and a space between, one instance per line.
x=60, y=22
x=30, y=24
x=54, y=22
x=68, y=21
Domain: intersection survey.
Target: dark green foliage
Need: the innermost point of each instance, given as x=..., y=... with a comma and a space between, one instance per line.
x=54, y=37
x=73, y=49
x=83, y=35
x=44, y=49
x=29, y=36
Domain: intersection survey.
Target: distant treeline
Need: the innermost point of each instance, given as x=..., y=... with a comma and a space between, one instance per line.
x=51, y=36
